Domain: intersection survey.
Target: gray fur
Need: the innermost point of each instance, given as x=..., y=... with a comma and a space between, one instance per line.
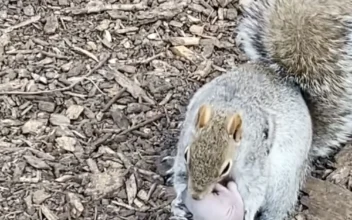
x=271, y=160
x=309, y=42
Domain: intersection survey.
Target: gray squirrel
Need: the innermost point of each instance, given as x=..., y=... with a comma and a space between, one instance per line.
x=262, y=123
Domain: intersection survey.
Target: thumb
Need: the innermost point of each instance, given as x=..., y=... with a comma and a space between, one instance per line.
x=234, y=191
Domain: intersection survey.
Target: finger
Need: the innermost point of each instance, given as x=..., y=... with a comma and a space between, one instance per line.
x=232, y=186
x=220, y=188
x=236, y=194
x=198, y=207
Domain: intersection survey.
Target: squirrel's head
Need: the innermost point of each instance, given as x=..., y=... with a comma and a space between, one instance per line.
x=210, y=156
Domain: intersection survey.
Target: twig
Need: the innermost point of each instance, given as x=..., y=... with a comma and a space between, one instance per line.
x=100, y=141
x=124, y=205
x=94, y=84
x=100, y=64
x=161, y=206
x=113, y=100
x=126, y=30
x=95, y=213
x=126, y=162
x=123, y=132
x=22, y=24
x=88, y=54
x=63, y=23
x=75, y=94
x=48, y=54
x=148, y=121
x=96, y=8
x=132, y=87
x=152, y=209
x=219, y=68
x=150, y=174
x=14, y=52
x=80, y=50
x=147, y=60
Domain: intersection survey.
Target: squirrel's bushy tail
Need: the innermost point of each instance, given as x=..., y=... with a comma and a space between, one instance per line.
x=309, y=42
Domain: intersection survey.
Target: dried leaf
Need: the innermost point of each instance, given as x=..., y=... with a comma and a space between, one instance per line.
x=131, y=189
x=184, y=41
x=132, y=87
x=36, y=162
x=102, y=184
x=46, y=106
x=40, y=196
x=33, y=126
x=76, y=205
x=104, y=24
x=48, y=213
x=196, y=29
x=57, y=119
x=41, y=154
x=190, y=55
x=66, y=143
x=92, y=165
x=74, y=111
x=203, y=69
x=64, y=178
x=51, y=24
x=143, y=195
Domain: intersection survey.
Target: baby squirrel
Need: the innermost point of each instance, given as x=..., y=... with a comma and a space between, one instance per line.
x=263, y=122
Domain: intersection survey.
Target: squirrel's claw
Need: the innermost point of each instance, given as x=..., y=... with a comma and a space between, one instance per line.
x=170, y=172
x=169, y=177
x=167, y=158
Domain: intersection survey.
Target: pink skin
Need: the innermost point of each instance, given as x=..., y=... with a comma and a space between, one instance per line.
x=223, y=204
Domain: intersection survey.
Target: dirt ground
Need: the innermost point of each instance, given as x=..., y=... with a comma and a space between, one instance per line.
x=91, y=98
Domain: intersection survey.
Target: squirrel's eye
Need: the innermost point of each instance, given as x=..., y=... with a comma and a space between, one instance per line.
x=266, y=133
x=226, y=169
x=186, y=155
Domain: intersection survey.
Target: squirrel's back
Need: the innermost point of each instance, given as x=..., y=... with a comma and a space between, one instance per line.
x=309, y=42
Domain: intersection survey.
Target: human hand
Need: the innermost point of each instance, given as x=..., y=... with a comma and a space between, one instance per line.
x=224, y=204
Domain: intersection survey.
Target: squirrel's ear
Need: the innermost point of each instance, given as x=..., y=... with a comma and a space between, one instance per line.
x=204, y=114
x=234, y=126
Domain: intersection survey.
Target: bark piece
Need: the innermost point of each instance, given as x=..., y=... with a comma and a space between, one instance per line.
x=326, y=200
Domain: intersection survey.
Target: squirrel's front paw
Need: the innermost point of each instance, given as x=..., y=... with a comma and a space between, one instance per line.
x=179, y=211
x=169, y=177
x=170, y=172
x=167, y=159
